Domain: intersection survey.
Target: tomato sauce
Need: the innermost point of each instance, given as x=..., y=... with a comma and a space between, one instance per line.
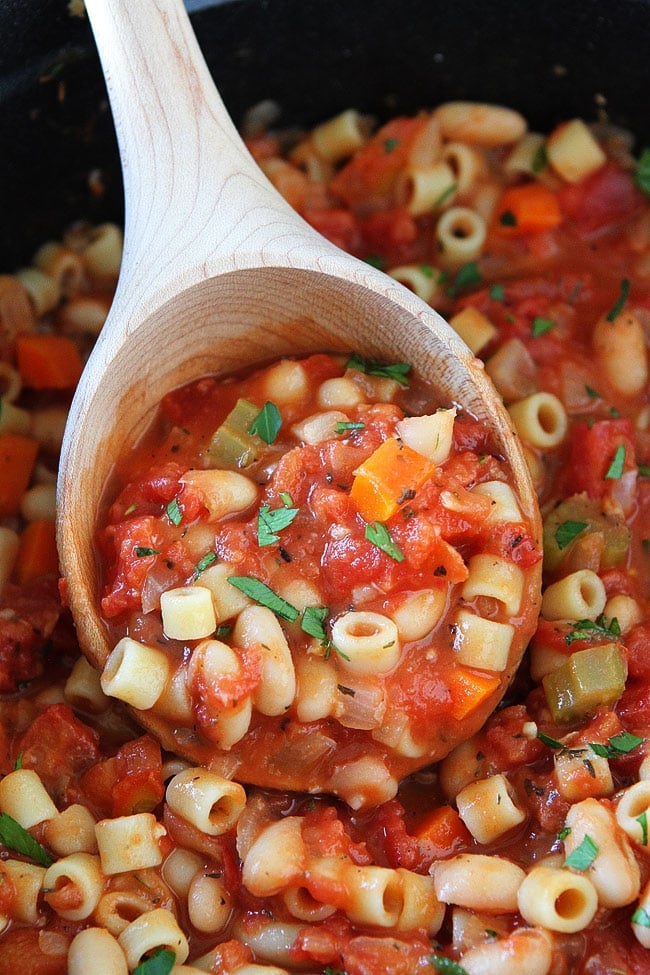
x=562, y=267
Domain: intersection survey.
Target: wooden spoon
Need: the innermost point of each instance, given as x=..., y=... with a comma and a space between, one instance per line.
x=218, y=272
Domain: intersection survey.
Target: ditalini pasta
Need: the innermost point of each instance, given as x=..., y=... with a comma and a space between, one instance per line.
x=347, y=511
x=318, y=580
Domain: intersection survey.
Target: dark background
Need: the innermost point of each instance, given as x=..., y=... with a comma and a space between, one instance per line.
x=553, y=61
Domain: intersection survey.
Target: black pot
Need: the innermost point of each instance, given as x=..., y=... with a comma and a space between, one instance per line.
x=58, y=158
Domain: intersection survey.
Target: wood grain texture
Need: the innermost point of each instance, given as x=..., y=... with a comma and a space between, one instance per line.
x=218, y=272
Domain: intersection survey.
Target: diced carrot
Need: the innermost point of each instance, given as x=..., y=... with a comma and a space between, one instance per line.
x=17, y=457
x=384, y=479
x=526, y=209
x=37, y=552
x=469, y=690
x=48, y=361
x=449, y=558
x=443, y=829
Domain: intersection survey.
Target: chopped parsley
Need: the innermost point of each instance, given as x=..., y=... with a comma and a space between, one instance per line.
x=615, y=469
x=377, y=533
x=160, y=963
x=15, y=837
x=566, y=532
x=375, y=260
x=444, y=196
x=350, y=425
x=541, y=326
x=258, y=591
x=267, y=423
x=204, y=563
x=592, y=393
x=642, y=820
x=497, y=292
x=642, y=172
x=312, y=621
x=644, y=470
x=271, y=521
x=548, y=741
x=508, y=219
x=583, y=856
x=142, y=551
x=427, y=270
x=617, y=745
x=467, y=276
x=540, y=159
x=446, y=965
x=588, y=629
x=620, y=304
x=174, y=513
x=641, y=917
x=390, y=145
x=372, y=367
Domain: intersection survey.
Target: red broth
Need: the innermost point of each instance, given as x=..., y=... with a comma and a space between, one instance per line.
x=526, y=848
x=371, y=573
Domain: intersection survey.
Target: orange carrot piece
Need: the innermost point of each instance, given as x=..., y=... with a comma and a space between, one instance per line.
x=469, y=690
x=526, y=209
x=37, y=552
x=443, y=829
x=382, y=480
x=17, y=457
x=48, y=361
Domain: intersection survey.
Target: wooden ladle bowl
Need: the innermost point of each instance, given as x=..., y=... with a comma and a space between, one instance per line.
x=218, y=272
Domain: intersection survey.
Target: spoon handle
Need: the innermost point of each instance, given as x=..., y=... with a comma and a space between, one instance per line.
x=196, y=202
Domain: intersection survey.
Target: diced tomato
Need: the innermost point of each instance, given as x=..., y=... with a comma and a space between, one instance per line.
x=591, y=452
x=392, y=235
x=324, y=835
x=139, y=786
x=30, y=951
x=367, y=955
x=28, y=617
x=367, y=180
x=59, y=747
x=338, y=225
x=601, y=200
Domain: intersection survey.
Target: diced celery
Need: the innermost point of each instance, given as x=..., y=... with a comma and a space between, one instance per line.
x=582, y=510
x=232, y=446
x=589, y=679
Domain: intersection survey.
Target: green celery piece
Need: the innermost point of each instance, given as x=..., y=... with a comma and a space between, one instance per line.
x=589, y=678
x=580, y=508
x=232, y=446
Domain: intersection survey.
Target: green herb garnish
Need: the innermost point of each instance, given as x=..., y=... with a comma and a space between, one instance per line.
x=467, y=276
x=497, y=292
x=312, y=621
x=541, y=326
x=270, y=522
x=142, y=551
x=615, y=469
x=641, y=917
x=174, y=513
x=540, y=159
x=617, y=745
x=378, y=535
x=568, y=531
x=261, y=593
x=583, y=855
x=372, y=367
x=267, y=423
x=548, y=741
x=204, y=563
x=344, y=427
x=15, y=837
x=390, y=145
x=446, y=965
x=160, y=963
x=642, y=172
x=375, y=260
x=588, y=629
x=618, y=307
x=444, y=196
